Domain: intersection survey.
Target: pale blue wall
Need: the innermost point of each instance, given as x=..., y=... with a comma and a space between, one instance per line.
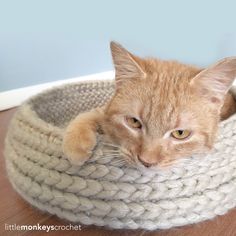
x=48, y=40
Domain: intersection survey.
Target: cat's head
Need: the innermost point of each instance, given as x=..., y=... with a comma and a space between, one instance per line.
x=164, y=110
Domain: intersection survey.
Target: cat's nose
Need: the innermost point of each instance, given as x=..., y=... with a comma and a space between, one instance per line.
x=146, y=162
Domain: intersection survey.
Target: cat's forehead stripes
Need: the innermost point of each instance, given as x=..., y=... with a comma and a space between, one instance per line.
x=161, y=111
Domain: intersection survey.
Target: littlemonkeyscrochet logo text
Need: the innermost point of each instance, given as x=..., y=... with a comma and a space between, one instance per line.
x=47, y=228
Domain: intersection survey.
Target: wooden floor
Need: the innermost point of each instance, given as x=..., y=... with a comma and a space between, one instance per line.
x=14, y=210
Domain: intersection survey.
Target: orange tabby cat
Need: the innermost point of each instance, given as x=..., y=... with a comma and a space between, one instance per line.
x=161, y=110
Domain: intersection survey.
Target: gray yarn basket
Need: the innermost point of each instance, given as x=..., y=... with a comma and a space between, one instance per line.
x=104, y=191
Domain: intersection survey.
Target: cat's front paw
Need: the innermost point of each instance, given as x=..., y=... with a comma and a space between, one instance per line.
x=78, y=145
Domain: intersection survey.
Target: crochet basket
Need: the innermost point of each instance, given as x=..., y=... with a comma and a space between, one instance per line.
x=104, y=191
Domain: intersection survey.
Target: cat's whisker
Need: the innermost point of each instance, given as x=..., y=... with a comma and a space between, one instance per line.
x=119, y=162
x=107, y=158
x=111, y=150
x=126, y=152
x=111, y=153
x=125, y=155
x=113, y=156
x=128, y=158
x=126, y=167
x=110, y=144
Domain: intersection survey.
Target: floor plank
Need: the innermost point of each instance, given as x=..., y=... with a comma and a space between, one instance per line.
x=14, y=210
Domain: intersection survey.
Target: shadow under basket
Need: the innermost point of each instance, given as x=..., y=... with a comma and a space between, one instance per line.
x=105, y=191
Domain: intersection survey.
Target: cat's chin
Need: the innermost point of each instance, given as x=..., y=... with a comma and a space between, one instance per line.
x=165, y=166
x=157, y=167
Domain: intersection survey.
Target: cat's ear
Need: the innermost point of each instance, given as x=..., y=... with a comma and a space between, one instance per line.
x=215, y=81
x=126, y=64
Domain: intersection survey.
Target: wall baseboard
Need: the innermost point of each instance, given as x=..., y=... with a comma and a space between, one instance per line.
x=15, y=97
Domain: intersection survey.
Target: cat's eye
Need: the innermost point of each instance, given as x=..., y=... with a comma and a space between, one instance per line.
x=133, y=122
x=180, y=134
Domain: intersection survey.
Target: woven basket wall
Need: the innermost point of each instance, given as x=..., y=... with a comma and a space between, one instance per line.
x=104, y=191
